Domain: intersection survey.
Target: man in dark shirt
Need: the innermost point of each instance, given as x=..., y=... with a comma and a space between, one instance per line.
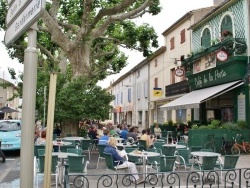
x=132, y=134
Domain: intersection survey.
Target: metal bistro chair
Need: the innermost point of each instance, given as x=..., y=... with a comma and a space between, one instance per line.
x=183, y=158
x=100, y=148
x=158, y=145
x=229, y=163
x=110, y=165
x=166, y=165
x=143, y=145
x=154, y=162
x=74, y=150
x=85, y=145
x=168, y=150
x=64, y=148
x=77, y=165
x=208, y=164
x=54, y=168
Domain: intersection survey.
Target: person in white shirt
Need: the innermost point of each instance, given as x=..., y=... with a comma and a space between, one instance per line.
x=157, y=131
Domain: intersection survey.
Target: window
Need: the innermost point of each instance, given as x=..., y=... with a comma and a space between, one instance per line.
x=226, y=24
x=183, y=37
x=129, y=94
x=206, y=38
x=146, y=89
x=169, y=115
x=138, y=92
x=172, y=43
x=172, y=76
x=181, y=115
x=121, y=97
x=117, y=99
x=155, y=62
x=156, y=83
x=138, y=73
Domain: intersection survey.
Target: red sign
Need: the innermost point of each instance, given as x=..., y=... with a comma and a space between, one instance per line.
x=179, y=72
x=222, y=55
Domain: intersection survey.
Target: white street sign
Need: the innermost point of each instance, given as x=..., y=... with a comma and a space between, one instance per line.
x=14, y=9
x=23, y=22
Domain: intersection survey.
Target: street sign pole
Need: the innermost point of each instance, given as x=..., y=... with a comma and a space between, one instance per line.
x=28, y=110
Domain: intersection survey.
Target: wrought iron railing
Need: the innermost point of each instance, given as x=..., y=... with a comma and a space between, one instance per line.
x=216, y=178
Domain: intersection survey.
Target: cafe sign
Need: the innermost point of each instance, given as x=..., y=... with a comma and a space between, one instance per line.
x=179, y=72
x=222, y=55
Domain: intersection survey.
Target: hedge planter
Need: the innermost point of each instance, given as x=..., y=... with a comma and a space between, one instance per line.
x=199, y=137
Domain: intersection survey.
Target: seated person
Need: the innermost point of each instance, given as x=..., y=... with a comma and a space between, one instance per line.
x=147, y=138
x=93, y=134
x=123, y=133
x=119, y=160
x=112, y=131
x=157, y=131
x=103, y=140
x=132, y=134
x=42, y=139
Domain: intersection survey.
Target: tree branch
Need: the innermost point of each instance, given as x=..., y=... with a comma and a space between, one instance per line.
x=99, y=31
x=57, y=35
x=45, y=51
x=110, y=11
x=54, y=8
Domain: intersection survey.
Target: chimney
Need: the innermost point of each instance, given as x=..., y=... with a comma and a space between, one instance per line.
x=217, y=2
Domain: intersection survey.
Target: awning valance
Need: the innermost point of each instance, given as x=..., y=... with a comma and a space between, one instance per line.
x=194, y=98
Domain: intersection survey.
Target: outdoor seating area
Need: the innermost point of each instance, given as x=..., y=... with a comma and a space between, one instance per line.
x=162, y=161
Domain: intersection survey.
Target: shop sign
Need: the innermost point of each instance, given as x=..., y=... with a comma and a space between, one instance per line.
x=222, y=55
x=179, y=72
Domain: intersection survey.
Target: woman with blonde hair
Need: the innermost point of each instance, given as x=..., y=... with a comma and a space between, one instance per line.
x=119, y=161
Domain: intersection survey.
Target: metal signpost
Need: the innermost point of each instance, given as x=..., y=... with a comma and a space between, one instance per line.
x=21, y=15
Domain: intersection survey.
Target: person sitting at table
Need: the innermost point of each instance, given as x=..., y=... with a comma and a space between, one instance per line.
x=42, y=139
x=119, y=160
x=132, y=134
x=100, y=130
x=93, y=134
x=123, y=133
x=112, y=131
x=157, y=131
x=147, y=138
x=103, y=140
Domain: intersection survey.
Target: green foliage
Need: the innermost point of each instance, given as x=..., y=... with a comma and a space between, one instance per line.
x=230, y=126
x=215, y=123
x=194, y=127
x=83, y=132
x=78, y=100
x=203, y=127
x=89, y=35
x=242, y=124
x=170, y=123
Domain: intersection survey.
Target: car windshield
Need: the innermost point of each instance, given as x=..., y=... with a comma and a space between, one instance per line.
x=7, y=126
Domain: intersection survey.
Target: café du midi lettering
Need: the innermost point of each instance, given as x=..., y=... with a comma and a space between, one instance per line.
x=209, y=77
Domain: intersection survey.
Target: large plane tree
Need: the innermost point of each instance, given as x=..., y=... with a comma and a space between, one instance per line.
x=89, y=34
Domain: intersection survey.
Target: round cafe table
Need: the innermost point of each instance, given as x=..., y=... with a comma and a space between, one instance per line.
x=76, y=138
x=175, y=145
x=144, y=155
x=61, y=143
x=119, y=140
x=62, y=156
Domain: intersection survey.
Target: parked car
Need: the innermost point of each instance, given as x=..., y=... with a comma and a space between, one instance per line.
x=10, y=134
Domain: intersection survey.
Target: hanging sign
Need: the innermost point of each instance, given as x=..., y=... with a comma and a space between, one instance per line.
x=222, y=55
x=179, y=72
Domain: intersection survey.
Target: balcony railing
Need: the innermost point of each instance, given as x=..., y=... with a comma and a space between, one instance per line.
x=217, y=178
x=236, y=46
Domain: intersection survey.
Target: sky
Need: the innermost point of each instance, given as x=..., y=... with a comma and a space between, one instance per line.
x=171, y=12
